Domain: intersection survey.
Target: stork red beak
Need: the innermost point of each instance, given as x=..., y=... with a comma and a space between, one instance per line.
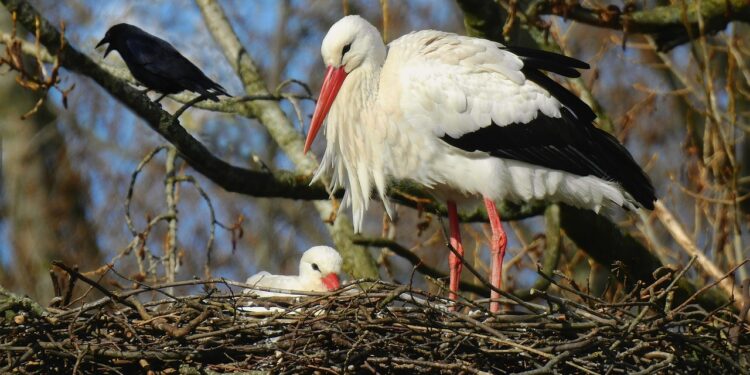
x=331, y=281
x=331, y=85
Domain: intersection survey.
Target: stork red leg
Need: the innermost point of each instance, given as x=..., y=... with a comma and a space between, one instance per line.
x=453, y=261
x=497, y=251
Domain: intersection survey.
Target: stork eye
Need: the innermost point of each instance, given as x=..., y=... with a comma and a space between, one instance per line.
x=315, y=267
x=346, y=49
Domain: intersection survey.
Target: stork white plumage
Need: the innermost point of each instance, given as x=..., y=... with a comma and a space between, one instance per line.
x=465, y=117
x=319, y=270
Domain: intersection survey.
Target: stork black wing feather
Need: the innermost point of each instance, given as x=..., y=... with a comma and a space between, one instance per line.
x=549, y=61
x=564, y=143
x=535, y=61
x=581, y=110
x=538, y=56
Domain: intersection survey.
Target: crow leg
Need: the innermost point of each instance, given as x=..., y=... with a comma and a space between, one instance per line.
x=187, y=105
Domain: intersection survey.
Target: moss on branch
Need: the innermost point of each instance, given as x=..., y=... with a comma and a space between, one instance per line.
x=670, y=25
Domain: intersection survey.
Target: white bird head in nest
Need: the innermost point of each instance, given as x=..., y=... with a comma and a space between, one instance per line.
x=321, y=264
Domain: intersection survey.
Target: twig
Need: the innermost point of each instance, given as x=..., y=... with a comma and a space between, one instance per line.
x=547, y=368
x=674, y=228
x=708, y=286
x=419, y=266
x=93, y=283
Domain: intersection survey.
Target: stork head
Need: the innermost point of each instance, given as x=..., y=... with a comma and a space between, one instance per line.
x=321, y=264
x=351, y=43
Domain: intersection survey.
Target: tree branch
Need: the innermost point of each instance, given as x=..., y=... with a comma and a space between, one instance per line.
x=267, y=112
x=232, y=178
x=670, y=25
x=482, y=19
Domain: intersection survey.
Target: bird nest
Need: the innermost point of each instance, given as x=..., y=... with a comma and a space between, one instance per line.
x=368, y=327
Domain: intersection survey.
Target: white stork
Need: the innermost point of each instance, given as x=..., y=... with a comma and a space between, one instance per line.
x=319, y=270
x=465, y=117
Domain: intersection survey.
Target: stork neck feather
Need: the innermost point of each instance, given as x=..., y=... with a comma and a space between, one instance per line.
x=357, y=94
x=352, y=139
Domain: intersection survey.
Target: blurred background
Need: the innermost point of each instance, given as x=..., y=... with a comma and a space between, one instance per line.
x=66, y=172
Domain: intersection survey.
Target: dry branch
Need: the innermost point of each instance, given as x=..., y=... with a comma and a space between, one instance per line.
x=670, y=25
x=676, y=230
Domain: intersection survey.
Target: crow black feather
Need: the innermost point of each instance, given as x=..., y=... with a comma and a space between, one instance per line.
x=563, y=143
x=157, y=64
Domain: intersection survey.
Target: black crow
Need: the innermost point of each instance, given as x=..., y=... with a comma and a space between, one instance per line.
x=157, y=64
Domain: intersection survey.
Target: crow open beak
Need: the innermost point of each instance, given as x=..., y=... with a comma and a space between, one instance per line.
x=102, y=42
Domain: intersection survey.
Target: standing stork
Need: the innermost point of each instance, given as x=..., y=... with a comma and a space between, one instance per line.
x=465, y=117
